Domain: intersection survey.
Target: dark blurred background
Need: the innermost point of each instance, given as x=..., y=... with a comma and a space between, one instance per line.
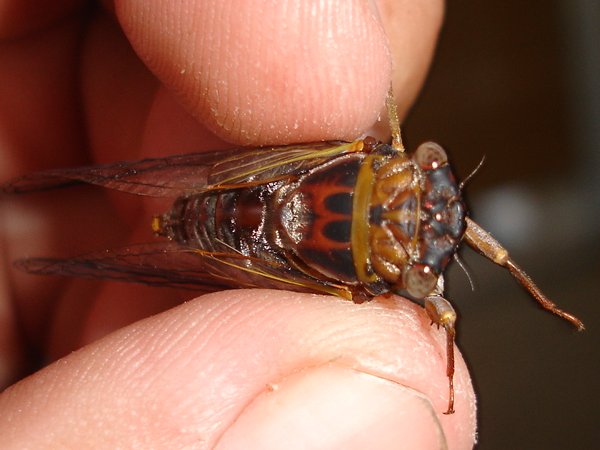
x=519, y=82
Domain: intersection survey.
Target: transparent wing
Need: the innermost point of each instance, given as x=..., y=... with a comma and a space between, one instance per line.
x=179, y=175
x=156, y=264
x=170, y=265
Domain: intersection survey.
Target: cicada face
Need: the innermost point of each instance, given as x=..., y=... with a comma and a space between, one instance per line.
x=419, y=220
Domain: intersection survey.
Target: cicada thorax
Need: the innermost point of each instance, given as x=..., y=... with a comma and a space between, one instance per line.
x=378, y=220
x=416, y=219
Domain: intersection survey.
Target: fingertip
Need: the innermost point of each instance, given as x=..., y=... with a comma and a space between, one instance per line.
x=263, y=72
x=212, y=367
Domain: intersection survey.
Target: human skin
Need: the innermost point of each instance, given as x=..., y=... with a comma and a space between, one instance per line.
x=233, y=369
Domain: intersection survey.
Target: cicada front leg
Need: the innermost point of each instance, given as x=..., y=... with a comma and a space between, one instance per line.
x=441, y=312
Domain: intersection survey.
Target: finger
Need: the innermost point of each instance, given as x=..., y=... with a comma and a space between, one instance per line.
x=117, y=92
x=18, y=17
x=38, y=111
x=39, y=128
x=42, y=126
x=263, y=72
x=239, y=369
x=163, y=127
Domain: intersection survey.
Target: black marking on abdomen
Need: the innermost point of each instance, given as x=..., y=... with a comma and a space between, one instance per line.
x=339, y=203
x=338, y=230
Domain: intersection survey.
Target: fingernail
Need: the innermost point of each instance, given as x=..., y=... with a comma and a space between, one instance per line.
x=333, y=407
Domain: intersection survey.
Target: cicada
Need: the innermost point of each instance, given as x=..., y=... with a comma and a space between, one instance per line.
x=351, y=219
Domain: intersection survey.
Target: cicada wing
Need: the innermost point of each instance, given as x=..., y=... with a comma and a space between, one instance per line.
x=265, y=164
x=170, y=265
x=180, y=175
x=155, y=264
x=160, y=177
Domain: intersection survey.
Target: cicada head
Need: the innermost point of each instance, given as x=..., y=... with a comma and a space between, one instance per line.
x=420, y=224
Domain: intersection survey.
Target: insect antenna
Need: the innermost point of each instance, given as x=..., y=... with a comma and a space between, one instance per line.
x=472, y=174
x=465, y=269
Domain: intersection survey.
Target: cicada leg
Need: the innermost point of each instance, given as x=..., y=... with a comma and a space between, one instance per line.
x=392, y=110
x=484, y=243
x=441, y=312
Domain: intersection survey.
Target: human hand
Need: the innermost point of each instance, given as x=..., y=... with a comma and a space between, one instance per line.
x=239, y=369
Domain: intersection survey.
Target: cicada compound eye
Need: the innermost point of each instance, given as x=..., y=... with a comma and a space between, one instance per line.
x=420, y=280
x=430, y=156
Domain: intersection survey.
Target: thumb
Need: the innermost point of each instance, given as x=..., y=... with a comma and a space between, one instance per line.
x=250, y=369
